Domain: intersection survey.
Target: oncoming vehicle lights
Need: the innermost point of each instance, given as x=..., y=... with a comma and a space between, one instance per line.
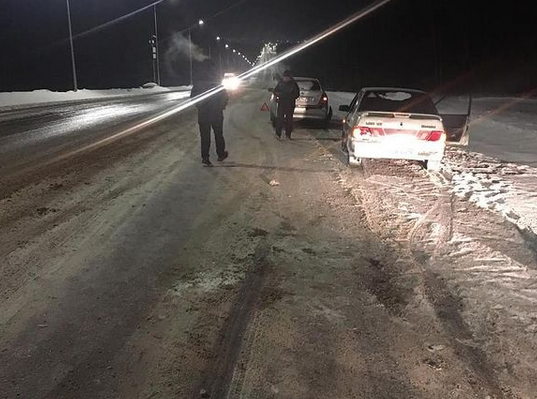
x=231, y=82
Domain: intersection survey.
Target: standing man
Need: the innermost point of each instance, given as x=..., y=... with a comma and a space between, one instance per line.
x=210, y=111
x=287, y=91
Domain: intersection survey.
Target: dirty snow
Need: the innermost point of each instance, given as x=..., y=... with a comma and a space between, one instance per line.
x=507, y=188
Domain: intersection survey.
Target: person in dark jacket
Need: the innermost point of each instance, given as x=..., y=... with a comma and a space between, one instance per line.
x=210, y=111
x=287, y=91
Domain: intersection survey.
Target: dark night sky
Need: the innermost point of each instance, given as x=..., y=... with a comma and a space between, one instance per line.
x=409, y=42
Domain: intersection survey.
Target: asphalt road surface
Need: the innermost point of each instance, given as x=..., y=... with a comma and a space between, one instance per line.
x=129, y=271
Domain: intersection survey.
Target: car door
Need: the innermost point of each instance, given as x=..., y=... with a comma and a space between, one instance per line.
x=350, y=119
x=457, y=125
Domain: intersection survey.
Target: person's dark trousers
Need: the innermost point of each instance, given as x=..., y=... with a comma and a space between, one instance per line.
x=285, y=118
x=207, y=120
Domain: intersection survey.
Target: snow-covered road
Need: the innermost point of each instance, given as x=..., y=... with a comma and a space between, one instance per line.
x=128, y=270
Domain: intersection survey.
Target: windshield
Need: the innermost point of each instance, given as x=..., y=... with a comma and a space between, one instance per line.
x=309, y=85
x=398, y=101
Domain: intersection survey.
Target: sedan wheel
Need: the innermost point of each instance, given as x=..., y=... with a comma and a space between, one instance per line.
x=434, y=166
x=353, y=162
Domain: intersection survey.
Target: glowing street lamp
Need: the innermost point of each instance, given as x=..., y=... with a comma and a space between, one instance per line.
x=201, y=22
x=217, y=38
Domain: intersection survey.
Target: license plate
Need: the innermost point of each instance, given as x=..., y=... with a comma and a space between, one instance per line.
x=403, y=153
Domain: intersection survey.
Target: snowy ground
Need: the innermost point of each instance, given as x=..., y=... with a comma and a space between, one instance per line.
x=22, y=99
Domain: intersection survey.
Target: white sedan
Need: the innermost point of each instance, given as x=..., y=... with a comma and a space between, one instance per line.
x=393, y=123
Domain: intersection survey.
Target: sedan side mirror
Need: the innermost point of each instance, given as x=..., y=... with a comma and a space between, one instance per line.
x=345, y=108
x=271, y=90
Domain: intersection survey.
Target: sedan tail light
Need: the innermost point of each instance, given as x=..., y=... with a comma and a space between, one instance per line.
x=437, y=135
x=361, y=131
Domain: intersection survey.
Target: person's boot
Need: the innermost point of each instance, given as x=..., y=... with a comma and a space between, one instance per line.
x=222, y=157
x=206, y=163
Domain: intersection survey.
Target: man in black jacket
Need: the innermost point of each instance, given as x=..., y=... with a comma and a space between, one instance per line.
x=210, y=111
x=286, y=91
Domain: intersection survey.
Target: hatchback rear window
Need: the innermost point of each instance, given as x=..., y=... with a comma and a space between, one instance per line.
x=309, y=85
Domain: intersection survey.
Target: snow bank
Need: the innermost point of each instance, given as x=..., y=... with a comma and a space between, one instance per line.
x=21, y=99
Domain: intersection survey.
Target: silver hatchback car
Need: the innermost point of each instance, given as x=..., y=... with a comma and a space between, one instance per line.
x=312, y=104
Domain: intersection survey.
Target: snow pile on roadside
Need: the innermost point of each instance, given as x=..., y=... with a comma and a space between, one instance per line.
x=18, y=99
x=507, y=188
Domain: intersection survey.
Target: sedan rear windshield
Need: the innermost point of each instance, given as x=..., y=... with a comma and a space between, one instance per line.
x=398, y=101
x=309, y=85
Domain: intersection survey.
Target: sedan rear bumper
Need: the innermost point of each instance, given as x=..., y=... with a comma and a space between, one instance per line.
x=416, y=150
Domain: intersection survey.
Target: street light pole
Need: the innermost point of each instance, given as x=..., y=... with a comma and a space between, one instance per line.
x=200, y=24
x=156, y=45
x=190, y=50
x=154, y=57
x=73, y=62
x=219, y=47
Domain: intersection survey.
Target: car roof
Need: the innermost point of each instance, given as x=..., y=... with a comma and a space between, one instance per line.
x=392, y=89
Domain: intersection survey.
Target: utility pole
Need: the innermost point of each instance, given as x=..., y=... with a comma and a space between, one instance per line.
x=73, y=62
x=156, y=48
